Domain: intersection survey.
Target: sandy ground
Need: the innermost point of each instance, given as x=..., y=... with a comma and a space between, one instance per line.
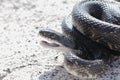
x=21, y=56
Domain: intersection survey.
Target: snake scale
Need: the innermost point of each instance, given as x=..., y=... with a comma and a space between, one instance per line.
x=90, y=38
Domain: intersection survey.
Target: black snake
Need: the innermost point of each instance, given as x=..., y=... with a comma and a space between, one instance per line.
x=91, y=36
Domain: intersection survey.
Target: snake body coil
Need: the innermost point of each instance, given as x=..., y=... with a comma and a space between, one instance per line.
x=100, y=21
x=91, y=36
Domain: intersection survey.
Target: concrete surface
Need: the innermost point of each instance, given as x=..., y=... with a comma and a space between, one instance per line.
x=21, y=56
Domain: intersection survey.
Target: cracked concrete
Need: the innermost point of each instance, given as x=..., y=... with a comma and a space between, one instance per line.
x=21, y=56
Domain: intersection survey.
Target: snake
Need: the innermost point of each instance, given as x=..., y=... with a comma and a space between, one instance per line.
x=90, y=38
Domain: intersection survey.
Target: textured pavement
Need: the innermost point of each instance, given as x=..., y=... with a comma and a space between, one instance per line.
x=21, y=56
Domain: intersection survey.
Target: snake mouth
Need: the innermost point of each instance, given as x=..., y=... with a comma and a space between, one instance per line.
x=48, y=39
x=48, y=44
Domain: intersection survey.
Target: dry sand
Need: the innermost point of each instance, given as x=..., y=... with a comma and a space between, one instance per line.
x=21, y=56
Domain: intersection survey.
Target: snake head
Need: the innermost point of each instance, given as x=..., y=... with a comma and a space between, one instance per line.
x=55, y=40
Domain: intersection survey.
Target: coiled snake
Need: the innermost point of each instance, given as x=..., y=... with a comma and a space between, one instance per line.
x=91, y=36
